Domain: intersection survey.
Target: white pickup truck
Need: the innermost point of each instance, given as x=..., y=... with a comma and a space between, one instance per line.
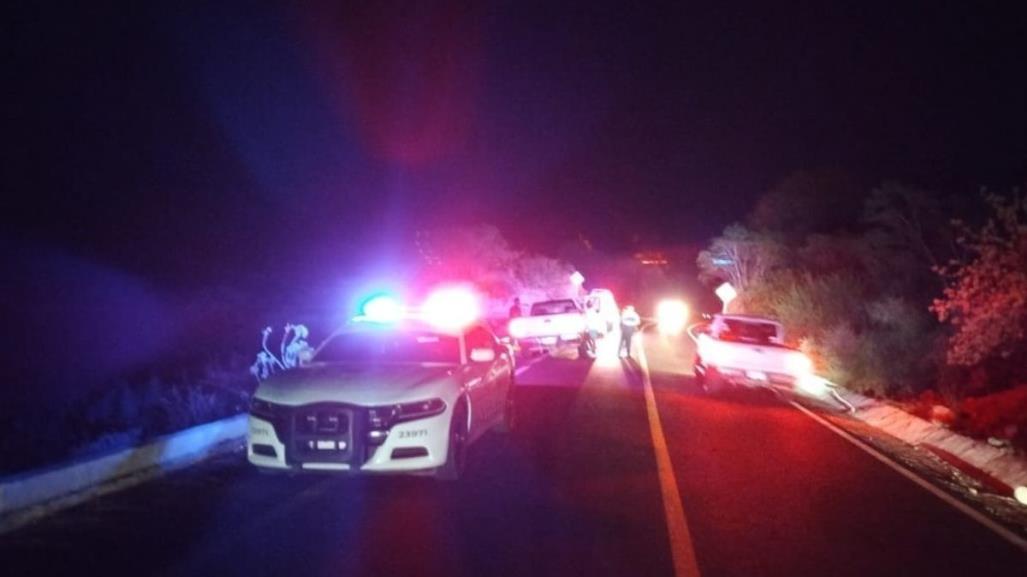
x=552, y=323
x=747, y=350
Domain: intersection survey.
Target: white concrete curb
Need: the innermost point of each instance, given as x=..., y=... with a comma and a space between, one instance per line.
x=57, y=487
x=1001, y=463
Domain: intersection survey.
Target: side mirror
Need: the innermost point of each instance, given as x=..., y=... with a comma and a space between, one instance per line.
x=483, y=355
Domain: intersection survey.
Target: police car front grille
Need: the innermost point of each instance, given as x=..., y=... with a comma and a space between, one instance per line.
x=329, y=421
x=322, y=433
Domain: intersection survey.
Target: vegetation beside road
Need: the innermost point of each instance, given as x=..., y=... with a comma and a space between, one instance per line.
x=888, y=294
x=124, y=414
x=200, y=387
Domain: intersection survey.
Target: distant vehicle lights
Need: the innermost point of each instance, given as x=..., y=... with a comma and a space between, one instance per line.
x=671, y=316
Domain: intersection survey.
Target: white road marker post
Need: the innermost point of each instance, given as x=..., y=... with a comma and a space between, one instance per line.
x=726, y=293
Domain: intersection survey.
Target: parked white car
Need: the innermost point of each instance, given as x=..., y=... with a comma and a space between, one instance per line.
x=747, y=350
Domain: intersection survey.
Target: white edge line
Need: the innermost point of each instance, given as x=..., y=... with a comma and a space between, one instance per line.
x=969, y=511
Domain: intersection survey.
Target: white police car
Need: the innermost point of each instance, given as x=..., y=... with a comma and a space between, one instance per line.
x=388, y=393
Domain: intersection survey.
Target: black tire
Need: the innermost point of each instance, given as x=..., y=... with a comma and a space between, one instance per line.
x=456, y=455
x=509, y=422
x=712, y=383
x=587, y=348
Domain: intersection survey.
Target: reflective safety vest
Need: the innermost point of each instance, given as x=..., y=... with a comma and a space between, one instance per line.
x=630, y=320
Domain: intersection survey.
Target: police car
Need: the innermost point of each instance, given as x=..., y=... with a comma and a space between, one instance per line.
x=391, y=392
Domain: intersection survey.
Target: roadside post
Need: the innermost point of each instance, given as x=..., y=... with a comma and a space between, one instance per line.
x=726, y=293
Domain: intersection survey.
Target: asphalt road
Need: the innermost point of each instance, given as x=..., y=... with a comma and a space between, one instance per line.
x=765, y=490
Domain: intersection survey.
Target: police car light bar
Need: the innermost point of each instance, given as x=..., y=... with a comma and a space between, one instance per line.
x=381, y=309
x=451, y=308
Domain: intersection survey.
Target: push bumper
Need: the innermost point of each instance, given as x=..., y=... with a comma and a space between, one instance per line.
x=292, y=442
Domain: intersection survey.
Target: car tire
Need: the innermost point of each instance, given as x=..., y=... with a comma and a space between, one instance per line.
x=509, y=422
x=712, y=383
x=587, y=348
x=456, y=455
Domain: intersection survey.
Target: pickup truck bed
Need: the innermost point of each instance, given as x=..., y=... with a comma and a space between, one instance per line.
x=747, y=351
x=550, y=324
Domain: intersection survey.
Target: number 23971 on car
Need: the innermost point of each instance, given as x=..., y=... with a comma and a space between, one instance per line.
x=401, y=397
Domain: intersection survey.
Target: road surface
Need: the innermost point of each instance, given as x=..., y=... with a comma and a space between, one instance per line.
x=763, y=489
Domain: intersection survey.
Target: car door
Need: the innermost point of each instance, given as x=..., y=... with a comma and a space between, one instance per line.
x=488, y=380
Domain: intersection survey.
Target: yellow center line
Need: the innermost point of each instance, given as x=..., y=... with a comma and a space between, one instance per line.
x=681, y=548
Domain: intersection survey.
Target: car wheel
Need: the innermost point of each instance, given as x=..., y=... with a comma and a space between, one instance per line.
x=700, y=380
x=712, y=383
x=456, y=456
x=587, y=348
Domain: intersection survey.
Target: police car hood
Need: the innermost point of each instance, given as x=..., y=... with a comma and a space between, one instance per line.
x=358, y=384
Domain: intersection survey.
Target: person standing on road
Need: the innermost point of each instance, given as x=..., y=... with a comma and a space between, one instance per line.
x=629, y=321
x=515, y=309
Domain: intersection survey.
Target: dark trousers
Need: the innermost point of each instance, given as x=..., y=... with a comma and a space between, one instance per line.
x=625, y=339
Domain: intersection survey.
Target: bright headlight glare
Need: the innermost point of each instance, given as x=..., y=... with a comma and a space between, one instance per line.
x=672, y=316
x=799, y=365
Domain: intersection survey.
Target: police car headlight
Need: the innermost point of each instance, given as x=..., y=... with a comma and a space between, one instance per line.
x=386, y=417
x=261, y=408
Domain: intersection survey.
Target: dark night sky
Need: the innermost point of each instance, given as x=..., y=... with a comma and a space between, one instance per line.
x=184, y=145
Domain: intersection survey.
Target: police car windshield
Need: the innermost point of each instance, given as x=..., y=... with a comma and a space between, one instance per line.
x=390, y=346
